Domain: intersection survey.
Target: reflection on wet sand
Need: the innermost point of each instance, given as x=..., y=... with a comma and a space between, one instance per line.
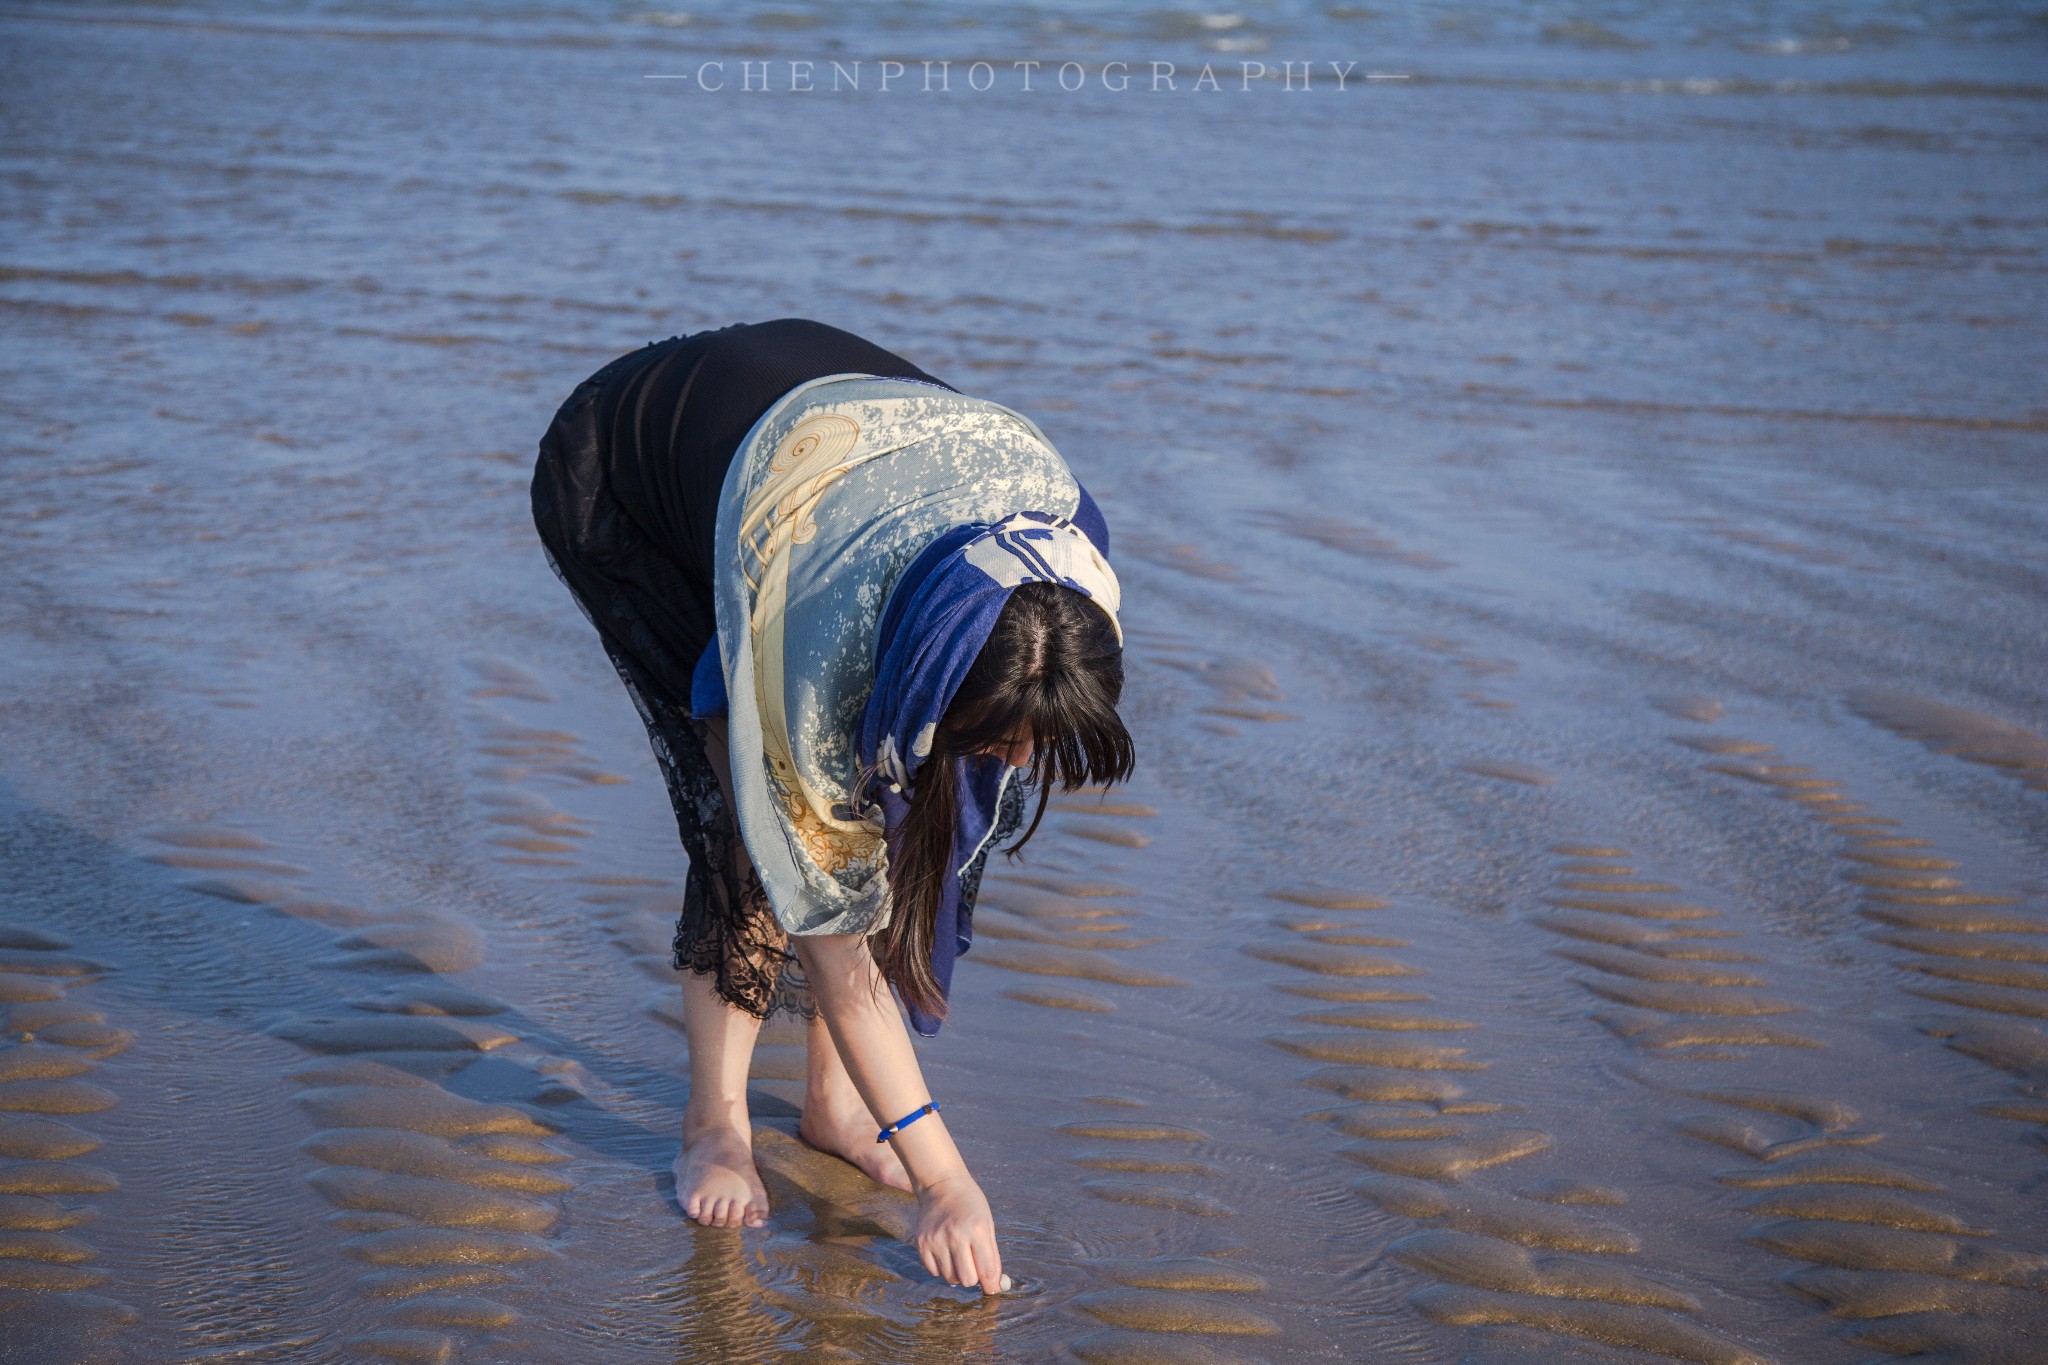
x=442, y=1197
x=1425, y=1155
x=1944, y=1287
x=47, y=1305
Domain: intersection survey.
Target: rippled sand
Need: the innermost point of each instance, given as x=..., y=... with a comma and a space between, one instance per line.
x=1581, y=518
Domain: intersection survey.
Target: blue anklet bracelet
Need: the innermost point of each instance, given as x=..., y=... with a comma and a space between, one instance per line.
x=899, y=1125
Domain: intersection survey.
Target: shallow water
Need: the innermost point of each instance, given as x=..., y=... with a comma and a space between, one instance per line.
x=1581, y=518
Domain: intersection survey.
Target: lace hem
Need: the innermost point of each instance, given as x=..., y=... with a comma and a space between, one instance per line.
x=727, y=929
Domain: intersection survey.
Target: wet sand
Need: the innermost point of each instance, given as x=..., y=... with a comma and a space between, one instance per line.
x=1581, y=522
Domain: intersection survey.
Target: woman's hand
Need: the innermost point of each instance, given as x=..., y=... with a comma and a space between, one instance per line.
x=956, y=1234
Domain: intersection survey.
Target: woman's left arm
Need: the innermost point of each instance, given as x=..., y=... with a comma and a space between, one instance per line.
x=956, y=1233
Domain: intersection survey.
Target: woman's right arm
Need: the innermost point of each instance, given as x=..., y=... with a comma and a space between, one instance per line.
x=956, y=1233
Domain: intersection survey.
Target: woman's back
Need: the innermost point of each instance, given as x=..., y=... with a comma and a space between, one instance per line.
x=664, y=407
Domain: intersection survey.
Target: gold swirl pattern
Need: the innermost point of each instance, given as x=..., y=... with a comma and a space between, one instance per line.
x=818, y=452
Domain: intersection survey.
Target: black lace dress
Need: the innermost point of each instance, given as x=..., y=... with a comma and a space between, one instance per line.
x=625, y=497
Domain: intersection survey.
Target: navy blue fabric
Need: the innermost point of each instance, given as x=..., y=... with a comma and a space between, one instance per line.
x=1089, y=518
x=707, y=683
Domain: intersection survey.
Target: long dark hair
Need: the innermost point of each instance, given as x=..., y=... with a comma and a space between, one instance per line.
x=1052, y=669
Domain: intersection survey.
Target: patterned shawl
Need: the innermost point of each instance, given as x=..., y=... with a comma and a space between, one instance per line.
x=835, y=492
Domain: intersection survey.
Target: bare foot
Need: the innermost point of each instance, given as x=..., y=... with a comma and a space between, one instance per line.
x=850, y=1135
x=716, y=1182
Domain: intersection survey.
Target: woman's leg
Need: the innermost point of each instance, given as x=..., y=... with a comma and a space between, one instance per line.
x=716, y=1182
x=836, y=1118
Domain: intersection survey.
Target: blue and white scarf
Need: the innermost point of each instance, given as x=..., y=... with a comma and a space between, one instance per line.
x=836, y=494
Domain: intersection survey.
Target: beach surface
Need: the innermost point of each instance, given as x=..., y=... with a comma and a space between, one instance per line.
x=1580, y=506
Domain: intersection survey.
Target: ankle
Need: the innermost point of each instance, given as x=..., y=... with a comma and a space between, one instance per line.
x=830, y=1092
x=703, y=1121
x=828, y=1113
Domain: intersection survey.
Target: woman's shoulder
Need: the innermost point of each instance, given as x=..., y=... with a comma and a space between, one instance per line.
x=893, y=410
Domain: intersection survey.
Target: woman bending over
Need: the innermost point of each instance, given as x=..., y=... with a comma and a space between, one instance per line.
x=862, y=615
